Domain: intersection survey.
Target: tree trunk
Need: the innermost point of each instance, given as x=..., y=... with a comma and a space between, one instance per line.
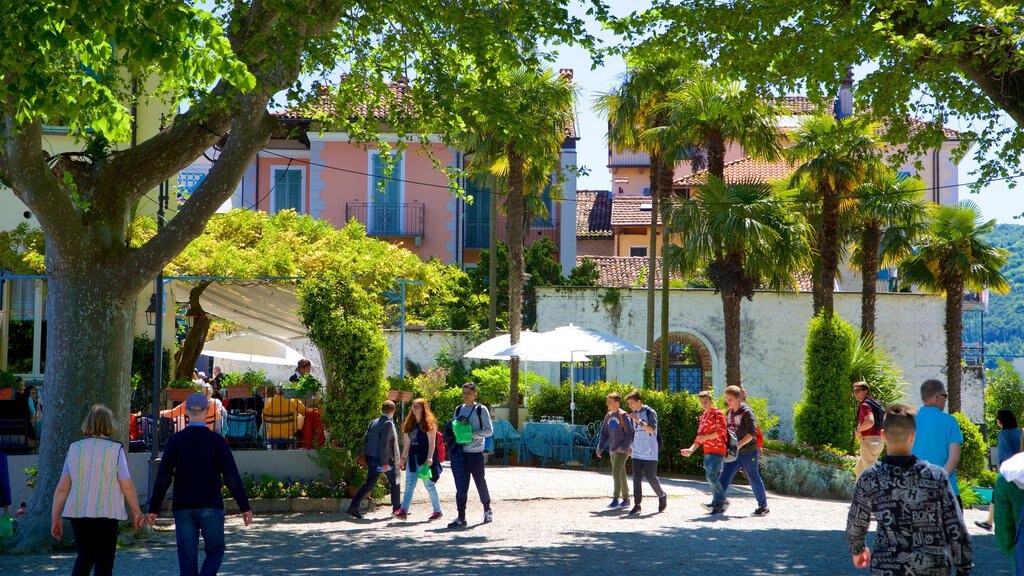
x=665, y=176
x=516, y=266
x=715, y=145
x=652, y=245
x=731, y=306
x=954, y=342
x=828, y=247
x=871, y=240
x=492, y=268
x=192, y=347
x=90, y=326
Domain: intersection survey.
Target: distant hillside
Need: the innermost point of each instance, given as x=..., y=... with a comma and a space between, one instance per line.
x=1004, y=323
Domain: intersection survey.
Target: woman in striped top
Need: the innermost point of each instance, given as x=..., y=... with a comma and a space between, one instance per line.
x=92, y=493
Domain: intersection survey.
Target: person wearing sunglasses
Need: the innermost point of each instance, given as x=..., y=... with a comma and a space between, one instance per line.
x=938, y=439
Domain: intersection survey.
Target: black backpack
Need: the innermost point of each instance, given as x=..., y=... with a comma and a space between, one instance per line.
x=877, y=410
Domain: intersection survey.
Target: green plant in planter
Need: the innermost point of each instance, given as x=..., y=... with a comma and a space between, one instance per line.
x=306, y=386
x=231, y=379
x=182, y=384
x=254, y=379
x=8, y=379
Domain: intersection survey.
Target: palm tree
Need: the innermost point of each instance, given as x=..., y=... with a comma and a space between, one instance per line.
x=633, y=108
x=746, y=236
x=955, y=257
x=706, y=115
x=835, y=156
x=891, y=214
x=516, y=124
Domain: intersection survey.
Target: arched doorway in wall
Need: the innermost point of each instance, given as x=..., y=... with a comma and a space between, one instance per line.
x=689, y=364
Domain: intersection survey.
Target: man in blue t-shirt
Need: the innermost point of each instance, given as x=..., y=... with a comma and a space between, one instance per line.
x=938, y=439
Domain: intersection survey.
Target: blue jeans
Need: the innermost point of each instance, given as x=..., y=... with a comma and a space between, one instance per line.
x=749, y=464
x=188, y=524
x=410, y=486
x=466, y=465
x=713, y=472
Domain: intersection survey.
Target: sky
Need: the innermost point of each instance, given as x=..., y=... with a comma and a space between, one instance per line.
x=997, y=200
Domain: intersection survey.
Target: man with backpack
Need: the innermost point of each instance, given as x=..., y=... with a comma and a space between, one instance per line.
x=870, y=414
x=646, y=442
x=617, y=437
x=380, y=449
x=467, y=454
x=743, y=424
x=719, y=443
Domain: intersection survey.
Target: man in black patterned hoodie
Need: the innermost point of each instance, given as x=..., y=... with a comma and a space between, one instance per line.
x=920, y=530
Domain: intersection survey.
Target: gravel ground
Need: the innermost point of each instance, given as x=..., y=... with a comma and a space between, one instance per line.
x=548, y=522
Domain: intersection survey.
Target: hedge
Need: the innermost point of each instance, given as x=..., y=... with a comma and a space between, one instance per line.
x=826, y=416
x=678, y=415
x=973, y=452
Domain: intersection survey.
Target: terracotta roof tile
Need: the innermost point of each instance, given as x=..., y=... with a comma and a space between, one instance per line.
x=622, y=271
x=631, y=211
x=593, y=214
x=800, y=105
x=744, y=170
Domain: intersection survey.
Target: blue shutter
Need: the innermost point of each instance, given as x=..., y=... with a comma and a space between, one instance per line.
x=288, y=190
x=385, y=198
x=478, y=214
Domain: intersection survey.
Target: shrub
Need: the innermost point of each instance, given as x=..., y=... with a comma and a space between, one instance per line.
x=872, y=364
x=973, y=454
x=493, y=383
x=826, y=413
x=429, y=384
x=801, y=477
x=443, y=405
x=987, y=479
x=677, y=416
x=1003, y=391
x=825, y=455
x=968, y=496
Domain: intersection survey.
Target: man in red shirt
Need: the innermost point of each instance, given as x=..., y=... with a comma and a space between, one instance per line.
x=712, y=434
x=868, y=429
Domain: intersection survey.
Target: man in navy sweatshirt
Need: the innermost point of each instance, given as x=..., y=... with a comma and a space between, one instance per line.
x=197, y=459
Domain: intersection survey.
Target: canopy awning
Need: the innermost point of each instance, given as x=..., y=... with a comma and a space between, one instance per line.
x=269, y=308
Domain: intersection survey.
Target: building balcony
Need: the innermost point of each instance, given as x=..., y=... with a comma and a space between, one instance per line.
x=477, y=233
x=385, y=219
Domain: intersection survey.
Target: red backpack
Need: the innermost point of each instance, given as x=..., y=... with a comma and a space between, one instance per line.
x=439, y=447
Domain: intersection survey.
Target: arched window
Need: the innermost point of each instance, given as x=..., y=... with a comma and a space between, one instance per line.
x=689, y=364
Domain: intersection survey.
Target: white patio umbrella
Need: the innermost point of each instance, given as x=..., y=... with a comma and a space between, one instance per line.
x=252, y=348
x=577, y=343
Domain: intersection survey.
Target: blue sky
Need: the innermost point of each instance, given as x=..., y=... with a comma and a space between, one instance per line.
x=997, y=200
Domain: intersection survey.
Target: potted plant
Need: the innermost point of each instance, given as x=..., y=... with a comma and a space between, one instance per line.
x=255, y=380
x=305, y=388
x=179, y=389
x=8, y=381
x=233, y=386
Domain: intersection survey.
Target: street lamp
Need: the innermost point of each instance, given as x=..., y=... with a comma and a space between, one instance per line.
x=151, y=310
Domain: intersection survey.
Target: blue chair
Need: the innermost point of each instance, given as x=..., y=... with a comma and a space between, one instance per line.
x=240, y=430
x=273, y=421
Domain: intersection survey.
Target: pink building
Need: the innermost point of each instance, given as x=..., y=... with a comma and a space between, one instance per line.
x=331, y=177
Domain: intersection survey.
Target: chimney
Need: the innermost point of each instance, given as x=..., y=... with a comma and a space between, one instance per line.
x=844, y=102
x=565, y=73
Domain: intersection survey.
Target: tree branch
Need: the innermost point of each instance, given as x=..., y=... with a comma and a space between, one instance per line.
x=249, y=133
x=23, y=164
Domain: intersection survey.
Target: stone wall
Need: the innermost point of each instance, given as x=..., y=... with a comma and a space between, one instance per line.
x=774, y=327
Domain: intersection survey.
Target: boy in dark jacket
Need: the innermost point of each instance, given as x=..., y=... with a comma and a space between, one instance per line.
x=920, y=528
x=380, y=445
x=617, y=437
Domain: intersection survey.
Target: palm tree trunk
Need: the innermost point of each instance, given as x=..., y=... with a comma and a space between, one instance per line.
x=492, y=267
x=665, y=176
x=731, y=306
x=954, y=342
x=516, y=267
x=871, y=239
x=715, y=145
x=651, y=263
x=828, y=247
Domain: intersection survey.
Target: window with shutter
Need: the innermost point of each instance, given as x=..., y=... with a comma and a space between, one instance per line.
x=287, y=190
x=386, y=198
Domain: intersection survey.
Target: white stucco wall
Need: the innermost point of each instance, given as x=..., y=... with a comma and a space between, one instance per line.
x=909, y=326
x=421, y=346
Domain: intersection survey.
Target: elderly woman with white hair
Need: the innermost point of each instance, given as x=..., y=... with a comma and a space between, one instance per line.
x=216, y=414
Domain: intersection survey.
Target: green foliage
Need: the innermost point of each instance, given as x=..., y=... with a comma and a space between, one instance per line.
x=493, y=383
x=142, y=368
x=8, y=379
x=268, y=487
x=31, y=473
x=766, y=420
x=306, y=386
x=586, y=273
x=456, y=371
x=443, y=405
x=430, y=383
x=872, y=364
x=806, y=478
x=987, y=479
x=826, y=415
x=974, y=452
x=22, y=250
x=182, y=384
x=1004, y=390
x=254, y=378
x=1004, y=322
x=678, y=415
x=340, y=463
x=968, y=496
x=823, y=455
x=344, y=322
